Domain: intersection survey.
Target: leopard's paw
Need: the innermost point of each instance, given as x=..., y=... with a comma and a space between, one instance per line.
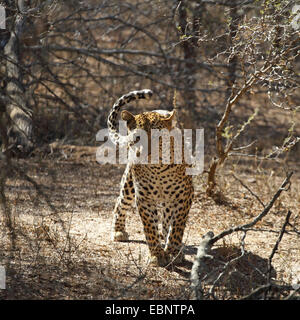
x=119, y=236
x=159, y=260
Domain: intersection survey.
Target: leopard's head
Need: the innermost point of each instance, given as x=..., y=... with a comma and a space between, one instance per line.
x=158, y=119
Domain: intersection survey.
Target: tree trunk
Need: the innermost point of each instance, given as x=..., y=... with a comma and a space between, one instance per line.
x=20, y=117
x=189, y=54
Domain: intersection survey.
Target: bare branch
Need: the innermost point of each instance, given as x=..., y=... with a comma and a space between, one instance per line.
x=258, y=218
x=198, y=264
x=275, y=248
x=251, y=192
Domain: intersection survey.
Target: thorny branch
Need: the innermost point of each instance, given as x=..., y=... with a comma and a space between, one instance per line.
x=259, y=217
x=274, y=71
x=209, y=239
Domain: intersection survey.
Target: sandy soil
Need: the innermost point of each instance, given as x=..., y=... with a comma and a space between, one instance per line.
x=60, y=247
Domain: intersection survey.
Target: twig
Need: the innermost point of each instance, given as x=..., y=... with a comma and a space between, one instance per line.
x=282, y=231
x=292, y=294
x=294, y=229
x=209, y=239
x=244, y=147
x=229, y=263
x=251, y=192
x=259, y=290
x=259, y=217
x=123, y=291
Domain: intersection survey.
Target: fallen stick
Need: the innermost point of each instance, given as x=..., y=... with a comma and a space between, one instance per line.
x=209, y=239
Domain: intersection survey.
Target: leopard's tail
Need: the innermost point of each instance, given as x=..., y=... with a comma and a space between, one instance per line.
x=127, y=98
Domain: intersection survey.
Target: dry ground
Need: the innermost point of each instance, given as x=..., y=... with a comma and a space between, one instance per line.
x=60, y=246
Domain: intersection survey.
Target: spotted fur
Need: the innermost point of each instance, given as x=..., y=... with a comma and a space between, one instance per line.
x=152, y=186
x=125, y=99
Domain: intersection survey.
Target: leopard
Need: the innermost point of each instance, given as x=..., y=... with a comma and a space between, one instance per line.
x=162, y=193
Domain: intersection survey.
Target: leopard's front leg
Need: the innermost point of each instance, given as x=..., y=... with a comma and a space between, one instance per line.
x=178, y=214
x=149, y=216
x=124, y=203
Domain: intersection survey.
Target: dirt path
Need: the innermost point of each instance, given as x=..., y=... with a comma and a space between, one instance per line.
x=63, y=248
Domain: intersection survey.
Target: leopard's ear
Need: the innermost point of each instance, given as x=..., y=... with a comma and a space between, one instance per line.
x=170, y=120
x=128, y=116
x=171, y=116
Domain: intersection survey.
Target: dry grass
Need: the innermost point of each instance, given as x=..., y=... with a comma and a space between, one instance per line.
x=62, y=234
